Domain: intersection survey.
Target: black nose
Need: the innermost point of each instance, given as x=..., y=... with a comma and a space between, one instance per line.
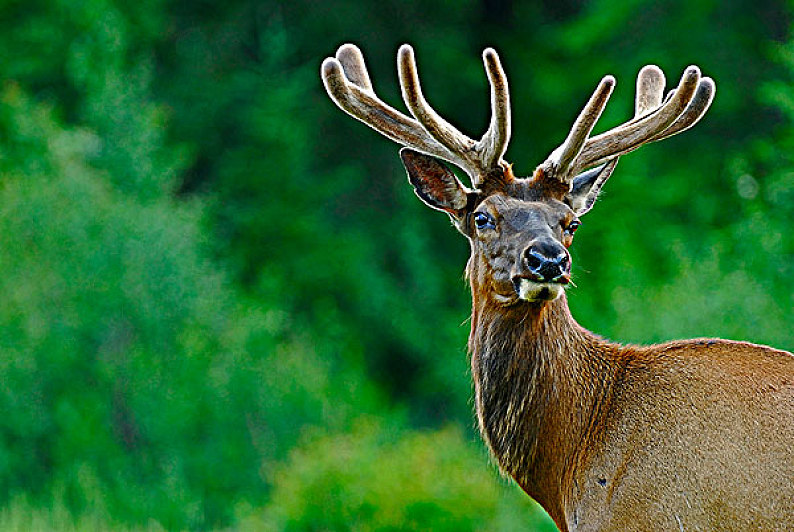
x=547, y=263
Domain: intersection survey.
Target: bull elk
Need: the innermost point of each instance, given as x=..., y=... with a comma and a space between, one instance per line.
x=685, y=435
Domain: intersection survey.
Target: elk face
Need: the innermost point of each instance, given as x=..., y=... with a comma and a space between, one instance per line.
x=519, y=229
x=521, y=247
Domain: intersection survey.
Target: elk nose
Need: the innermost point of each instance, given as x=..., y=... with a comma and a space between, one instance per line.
x=548, y=264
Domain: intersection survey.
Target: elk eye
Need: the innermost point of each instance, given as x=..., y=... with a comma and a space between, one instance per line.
x=483, y=220
x=572, y=227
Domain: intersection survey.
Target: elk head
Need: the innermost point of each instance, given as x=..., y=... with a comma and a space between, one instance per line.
x=520, y=229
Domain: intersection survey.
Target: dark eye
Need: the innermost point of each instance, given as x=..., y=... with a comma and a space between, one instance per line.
x=572, y=227
x=483, y=220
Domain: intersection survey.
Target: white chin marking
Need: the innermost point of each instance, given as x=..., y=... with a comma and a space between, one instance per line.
x=532, y=291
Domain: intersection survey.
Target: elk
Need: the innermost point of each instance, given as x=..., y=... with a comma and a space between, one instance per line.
x=685, y=435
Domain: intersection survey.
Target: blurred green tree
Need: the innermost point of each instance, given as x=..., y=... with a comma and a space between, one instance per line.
x=377, y=478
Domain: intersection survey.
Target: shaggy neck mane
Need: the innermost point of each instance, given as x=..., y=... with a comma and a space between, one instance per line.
x=542, y=383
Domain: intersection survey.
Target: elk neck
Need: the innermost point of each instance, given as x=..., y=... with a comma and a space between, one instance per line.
x=542, y=390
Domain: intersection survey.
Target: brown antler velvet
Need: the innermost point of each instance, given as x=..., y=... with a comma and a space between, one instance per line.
x=349, y=86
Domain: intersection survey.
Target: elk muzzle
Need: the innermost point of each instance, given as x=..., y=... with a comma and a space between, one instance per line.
x=543, y=269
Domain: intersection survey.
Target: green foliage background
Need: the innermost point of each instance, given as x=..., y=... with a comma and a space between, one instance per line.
x=223, y=308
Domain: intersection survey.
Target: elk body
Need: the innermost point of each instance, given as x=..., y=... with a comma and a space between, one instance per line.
x=685, y=435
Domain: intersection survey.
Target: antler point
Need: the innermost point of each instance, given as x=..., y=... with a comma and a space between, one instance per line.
x=691, y=73
x=651, y=70
x=331, y=68
x=348, y=47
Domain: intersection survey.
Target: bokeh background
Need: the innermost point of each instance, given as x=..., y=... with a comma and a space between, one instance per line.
x=221, y=306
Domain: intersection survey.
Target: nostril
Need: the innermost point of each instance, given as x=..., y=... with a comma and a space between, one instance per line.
x=563, y=261
x=534, y=260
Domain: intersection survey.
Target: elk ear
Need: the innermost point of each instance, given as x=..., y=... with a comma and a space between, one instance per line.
x=587, y=185
x=434, y=183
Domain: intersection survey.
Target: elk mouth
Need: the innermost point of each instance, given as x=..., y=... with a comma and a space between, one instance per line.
x=531, y=287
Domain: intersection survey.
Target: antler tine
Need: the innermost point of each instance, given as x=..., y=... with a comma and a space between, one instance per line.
x=694, y=112
x=438, y=128
x=560, y=162
x=650, y=90
x=495, y=140
x=355, y=97
x=352, y=61
x=635, y=133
